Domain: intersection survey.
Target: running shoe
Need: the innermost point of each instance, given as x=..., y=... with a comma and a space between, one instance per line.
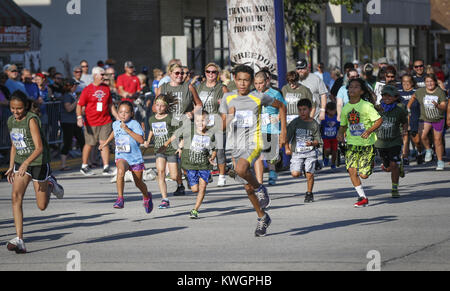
x=57, y=189
x=263, y=197
x=362, y=202
x=428, y=155
x=17, y=245
x=405, y=162
x=148, y=204
x=326, y=162
x=222, y=181
x=87, y=171
x=120, y=203
x=164, y=204
x=420, y=158
x=107, y=171
x=263, y=224
x=309, y=197
x=180, y=191
x=395, y=193
x=273, y=177
x=440, y=166
x=193, y=214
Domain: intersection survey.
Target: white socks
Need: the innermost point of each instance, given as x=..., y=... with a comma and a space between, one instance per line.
x=360, y=191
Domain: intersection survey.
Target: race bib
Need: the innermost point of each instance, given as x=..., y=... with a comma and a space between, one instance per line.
x=159, y=128
x=210, y=120
x=357, y=129
x=99, y=106
x=200, y=143
x=18, y=141
x=123, y=144
x=302, y=147
x=428, y=101
x=244, y=119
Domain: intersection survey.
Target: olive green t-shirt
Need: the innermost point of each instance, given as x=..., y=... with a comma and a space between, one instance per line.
x=389, y=134
x=162, y=131
x=292, y=96
x=184, y=97
x=428, y=111
x=22, y=140
x=299, y=132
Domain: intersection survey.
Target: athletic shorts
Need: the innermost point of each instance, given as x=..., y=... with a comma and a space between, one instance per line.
x=37, y=173
x=250, y=155
x=94, y=134
x=330, y=144
x=297, y=164
x=134, y=168
x=169, y=159
x=389, y=155
x=437, y=126
x=361, y=158
x=193, y=176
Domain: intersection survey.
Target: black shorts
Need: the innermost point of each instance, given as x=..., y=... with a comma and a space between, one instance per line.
x=37, y=173
x=389, y=155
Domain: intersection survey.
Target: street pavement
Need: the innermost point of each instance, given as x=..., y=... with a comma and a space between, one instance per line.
x=84, y=232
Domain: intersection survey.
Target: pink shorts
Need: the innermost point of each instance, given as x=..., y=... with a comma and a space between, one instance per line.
x=134, y=168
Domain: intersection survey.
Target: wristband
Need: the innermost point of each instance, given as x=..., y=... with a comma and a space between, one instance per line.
x=80, y=117
x=322, y=110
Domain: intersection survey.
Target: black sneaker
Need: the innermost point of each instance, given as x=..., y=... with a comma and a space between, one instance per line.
x=263, y=224
x=87, y=171
x=309, y=197
x=107, y=171
x=180, y=191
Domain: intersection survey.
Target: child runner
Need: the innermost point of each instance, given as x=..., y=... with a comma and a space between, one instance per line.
x=389, y=137
x=161, y=129
x=359, y=120
x=406, y=93
x=198, y=155
x=244, y=110
x=29, y=161
x=433, y=103
x=329, y=128
x=128, y=135
x=303, y=139
x=270, y=128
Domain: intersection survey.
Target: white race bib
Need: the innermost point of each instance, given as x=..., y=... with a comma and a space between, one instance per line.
x=200, y=143
x=357, y=129
x=123, y=144
x=159, y=128
x=244, y=119
x=302, y=147
x=428, y=101
x=18, y=141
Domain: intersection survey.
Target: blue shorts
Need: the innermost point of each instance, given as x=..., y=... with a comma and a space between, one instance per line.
x=193, y=176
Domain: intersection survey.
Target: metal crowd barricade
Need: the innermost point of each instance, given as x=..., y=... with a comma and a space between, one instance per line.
x=50, y=120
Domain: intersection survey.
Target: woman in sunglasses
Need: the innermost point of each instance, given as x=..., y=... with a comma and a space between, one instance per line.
x=211, y=93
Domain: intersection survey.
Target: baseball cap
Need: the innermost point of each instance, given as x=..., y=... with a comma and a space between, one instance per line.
x=368, y=67
x=390, y=90
x=382, y=61
x=302, y=64
x=10, y=67
x=129, y=64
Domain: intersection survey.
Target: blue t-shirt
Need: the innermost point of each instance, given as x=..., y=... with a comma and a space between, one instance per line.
x=15, y=85
x=343, y=94
x=330, y=127
x=127, y=148
x=270, y=123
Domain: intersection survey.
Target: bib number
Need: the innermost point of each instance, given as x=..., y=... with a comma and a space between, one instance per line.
x=123, y=145
x=244, y=119
x=159, y=128
x=18, y=141
x=200, y=143
x=357, y=129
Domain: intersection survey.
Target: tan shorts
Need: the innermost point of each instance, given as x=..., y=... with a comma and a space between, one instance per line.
x=94, y=134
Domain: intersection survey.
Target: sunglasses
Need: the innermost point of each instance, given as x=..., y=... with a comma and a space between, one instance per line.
x=211, y=72
x=179, y=73
x=421, y=66
x=390, y=76
x=85, y=66
x=78, y=72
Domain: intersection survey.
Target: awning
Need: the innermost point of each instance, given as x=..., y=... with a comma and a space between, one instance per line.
x=12, y=15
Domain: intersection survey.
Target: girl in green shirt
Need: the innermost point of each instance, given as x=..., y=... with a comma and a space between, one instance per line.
x=29, y=161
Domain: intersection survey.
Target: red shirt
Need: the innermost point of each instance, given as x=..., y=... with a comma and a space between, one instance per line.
x=97, y=100
x=130, y=84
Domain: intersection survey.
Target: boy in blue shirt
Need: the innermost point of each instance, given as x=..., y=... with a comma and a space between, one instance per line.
x=329, y=127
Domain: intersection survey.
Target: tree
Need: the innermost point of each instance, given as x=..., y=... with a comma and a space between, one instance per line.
x=299, y=25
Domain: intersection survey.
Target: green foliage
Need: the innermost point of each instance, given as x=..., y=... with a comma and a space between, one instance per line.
x=298, y=20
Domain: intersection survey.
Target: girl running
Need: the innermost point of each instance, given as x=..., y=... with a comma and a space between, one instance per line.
x=161, y=129
x=128, y=135
x=359, y=121
x=29, y=161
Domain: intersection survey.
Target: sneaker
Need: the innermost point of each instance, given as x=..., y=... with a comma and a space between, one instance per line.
x=420, y=159
x=107, y=171
x=17, y=245
x=395, y=193
x=263, y=224
x=57, y=189
x=326, y=162
x=263, y=197
x=440, y=166
x=222, y=181
x=428, y=155
x=148, y=204
x=333, y=166
x=193, y=214
x=164, y=204
x=180, y=191
x=273, y=177
x=120, y=203
x=402, y=170
x=362, y=202
x=309, y=197
x=87, y=171
x=405, y=162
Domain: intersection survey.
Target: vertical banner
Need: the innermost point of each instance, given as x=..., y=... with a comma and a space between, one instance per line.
x=252, y=34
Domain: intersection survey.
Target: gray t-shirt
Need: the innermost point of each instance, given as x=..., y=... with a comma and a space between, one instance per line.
x=317, y=88
x=299, y=132
x=246, y=125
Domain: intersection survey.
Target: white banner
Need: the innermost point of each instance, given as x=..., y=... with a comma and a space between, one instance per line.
x=251, y=33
